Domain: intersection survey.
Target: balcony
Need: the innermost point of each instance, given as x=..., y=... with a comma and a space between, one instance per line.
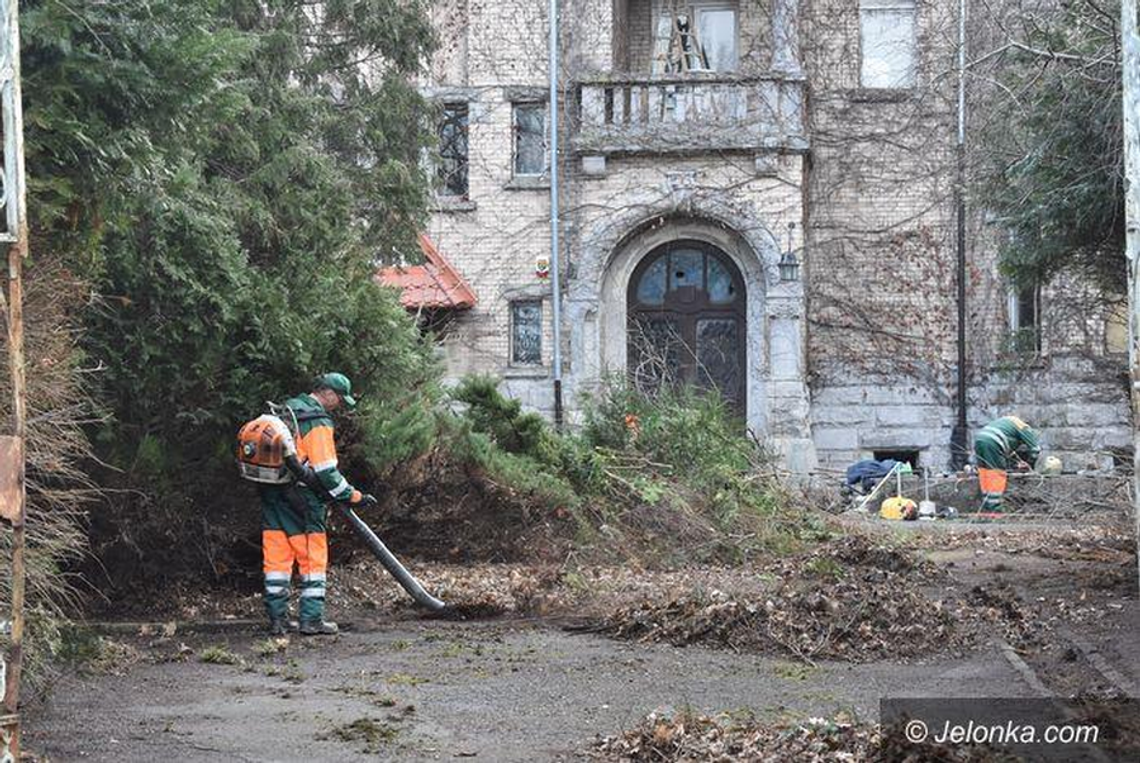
x=690, y=113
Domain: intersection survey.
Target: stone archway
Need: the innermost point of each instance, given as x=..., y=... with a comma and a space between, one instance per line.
x=612, y=297
x=687, y=321
x=610, y=247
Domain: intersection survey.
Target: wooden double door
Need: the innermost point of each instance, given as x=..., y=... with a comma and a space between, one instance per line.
x=687, y=321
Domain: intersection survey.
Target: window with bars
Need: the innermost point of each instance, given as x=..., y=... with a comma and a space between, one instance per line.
x=451, y=168
x=530, y=139
x=887, y=40
x=526, y=332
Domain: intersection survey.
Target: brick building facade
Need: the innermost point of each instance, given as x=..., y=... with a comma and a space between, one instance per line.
x=819, y=131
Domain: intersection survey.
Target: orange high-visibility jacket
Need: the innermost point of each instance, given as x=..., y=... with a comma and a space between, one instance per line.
x=316, y=447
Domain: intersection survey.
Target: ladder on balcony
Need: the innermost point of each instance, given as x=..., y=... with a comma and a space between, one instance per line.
x=677, y=47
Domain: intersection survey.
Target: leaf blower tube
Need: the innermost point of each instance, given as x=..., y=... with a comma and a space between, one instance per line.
x=390, y=562
x=387, y=558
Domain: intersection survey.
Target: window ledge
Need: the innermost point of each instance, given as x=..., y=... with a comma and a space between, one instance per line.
x=526, y=372
x=1023, y=361
x=452, y=204
x=881, y=94
x=528, y=183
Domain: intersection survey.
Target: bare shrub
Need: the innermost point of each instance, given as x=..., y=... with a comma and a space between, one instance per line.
x=57, y=450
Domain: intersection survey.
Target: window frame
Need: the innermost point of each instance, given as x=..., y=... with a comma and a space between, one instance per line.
x=696, y=7
x=661, y=34
x=1020, y=335
x=869, y=8
x=513, y=358
x=1116, y=331
x=441, y=174
x=516, y=133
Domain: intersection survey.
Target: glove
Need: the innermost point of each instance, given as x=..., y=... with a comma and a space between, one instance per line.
x=367, y=500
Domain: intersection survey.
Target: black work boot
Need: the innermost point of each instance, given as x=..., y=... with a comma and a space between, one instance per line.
x=278, y=626
x=318, y=628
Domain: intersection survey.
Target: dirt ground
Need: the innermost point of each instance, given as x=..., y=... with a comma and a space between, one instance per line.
x=523, y=687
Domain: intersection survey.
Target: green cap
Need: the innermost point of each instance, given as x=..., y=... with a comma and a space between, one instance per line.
x=339, y=384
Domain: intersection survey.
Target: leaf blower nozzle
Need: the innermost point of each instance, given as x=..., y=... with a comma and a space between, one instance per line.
x=391, y=563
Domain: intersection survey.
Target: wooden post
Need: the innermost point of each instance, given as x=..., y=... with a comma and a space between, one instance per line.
x=15, y=509
x=1130, y=43
x=17, y=512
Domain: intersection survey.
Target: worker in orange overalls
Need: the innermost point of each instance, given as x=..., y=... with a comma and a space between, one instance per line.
x=1003, y=444
x=293, y=516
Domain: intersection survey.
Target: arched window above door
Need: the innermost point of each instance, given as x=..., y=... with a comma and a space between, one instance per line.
x=682, y=266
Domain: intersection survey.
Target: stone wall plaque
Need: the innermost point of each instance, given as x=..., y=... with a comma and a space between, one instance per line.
x=681, y=180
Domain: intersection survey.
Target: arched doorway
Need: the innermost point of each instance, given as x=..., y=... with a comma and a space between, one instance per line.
x=686, y=321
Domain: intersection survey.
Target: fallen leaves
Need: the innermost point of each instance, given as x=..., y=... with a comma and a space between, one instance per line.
x=720, y=739
x=475, y=591
x=850, y=600
x=723, y=738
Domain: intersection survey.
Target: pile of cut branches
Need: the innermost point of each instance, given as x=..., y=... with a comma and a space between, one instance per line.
x=660, y=479
x=850, y=600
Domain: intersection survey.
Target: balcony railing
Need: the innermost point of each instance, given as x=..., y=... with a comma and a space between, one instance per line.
x=691, y=113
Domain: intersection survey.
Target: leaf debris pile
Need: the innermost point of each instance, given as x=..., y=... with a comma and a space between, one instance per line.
x=1093, y=541
x=850, y=600
x=723, y=739
x=1002, y=607
x=853, y=599
x=475, y=591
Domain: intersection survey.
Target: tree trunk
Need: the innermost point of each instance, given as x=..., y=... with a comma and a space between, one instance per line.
x=1130, y=40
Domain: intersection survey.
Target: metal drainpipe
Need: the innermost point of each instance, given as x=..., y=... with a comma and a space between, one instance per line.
x=554, y=213
x=958, y=449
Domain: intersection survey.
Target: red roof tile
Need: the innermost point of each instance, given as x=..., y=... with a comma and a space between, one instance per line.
x=434, y=284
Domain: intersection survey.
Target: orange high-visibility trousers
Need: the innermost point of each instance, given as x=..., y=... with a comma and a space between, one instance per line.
x=993, y=483
x=293, y=534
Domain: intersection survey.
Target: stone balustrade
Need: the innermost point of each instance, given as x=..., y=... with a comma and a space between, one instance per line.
x=690, y=113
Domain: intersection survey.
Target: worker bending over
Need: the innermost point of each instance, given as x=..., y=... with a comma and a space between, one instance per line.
x=1003, y=444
